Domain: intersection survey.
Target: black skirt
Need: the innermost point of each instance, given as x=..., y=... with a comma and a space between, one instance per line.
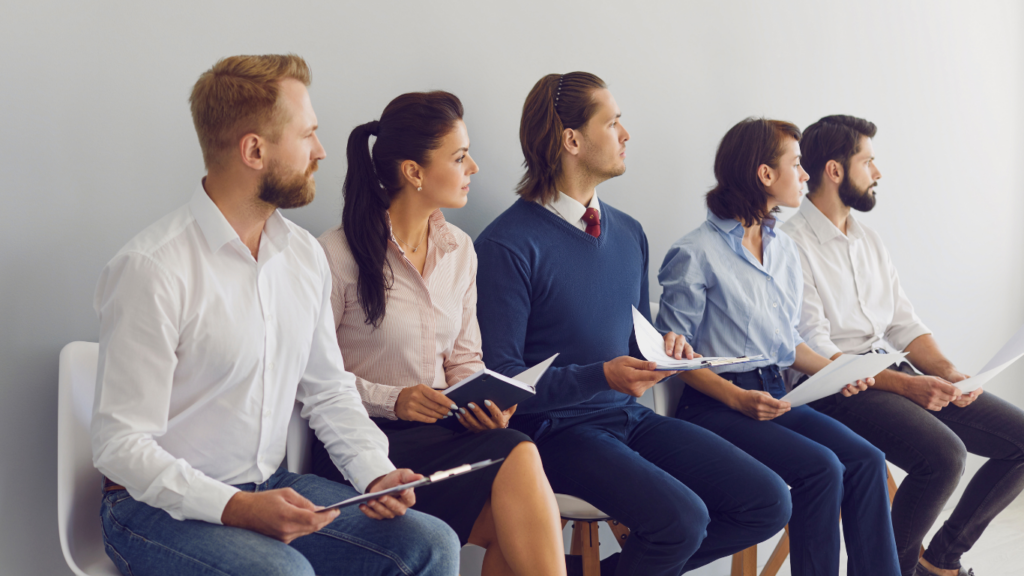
x=427, y=448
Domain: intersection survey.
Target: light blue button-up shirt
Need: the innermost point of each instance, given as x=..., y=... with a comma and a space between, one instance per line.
x=725, y=302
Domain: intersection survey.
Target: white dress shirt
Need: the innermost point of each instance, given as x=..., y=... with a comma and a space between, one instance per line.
x=853, y=301
x=203, y=353
x=571, y=210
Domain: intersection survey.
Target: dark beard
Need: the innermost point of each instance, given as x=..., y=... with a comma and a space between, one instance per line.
x=859, y=200
x=291, y=193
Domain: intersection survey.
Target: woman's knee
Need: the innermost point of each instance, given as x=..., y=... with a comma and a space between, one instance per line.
x=822, y=474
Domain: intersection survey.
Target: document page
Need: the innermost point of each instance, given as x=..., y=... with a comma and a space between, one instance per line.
x=1008, y=354
x=844, y=370
x=652, y=347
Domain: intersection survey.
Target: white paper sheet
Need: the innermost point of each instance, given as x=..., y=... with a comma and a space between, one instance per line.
x=530, y=376
x=652, y=347
x=1012, y=350
x=979, y=380
x=1008, y=354
x=844, y=370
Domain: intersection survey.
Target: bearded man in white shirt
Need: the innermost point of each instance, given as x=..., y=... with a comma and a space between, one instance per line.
x=213, y=322
x=854, y=304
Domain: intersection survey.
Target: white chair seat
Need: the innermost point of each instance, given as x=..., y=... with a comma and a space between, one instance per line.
x=573, y=508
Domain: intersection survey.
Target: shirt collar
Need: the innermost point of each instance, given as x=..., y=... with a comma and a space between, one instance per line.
x=571, y=209
x=734, y=227
x=441, y=235
x=218, y=231
x=823, y=228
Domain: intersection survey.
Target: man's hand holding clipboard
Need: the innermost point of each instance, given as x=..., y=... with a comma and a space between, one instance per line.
x=390, y=495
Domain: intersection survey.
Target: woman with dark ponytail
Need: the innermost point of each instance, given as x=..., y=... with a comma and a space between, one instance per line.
x=404, y=300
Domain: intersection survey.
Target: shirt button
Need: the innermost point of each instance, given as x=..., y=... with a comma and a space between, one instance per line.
x=776, y=330
x=266, y=413
x=270, y=367
x=775, y=304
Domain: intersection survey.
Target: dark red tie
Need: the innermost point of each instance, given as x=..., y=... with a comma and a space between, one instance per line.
x=593, y=219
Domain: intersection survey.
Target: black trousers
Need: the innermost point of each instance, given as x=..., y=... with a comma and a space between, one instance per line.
x=932, y=448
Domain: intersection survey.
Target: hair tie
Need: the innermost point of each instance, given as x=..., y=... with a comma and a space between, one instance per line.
x=558, y=93
x=373, y=127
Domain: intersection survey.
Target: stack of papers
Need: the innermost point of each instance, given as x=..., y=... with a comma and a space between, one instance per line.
x=652, y=347
x=844, y=370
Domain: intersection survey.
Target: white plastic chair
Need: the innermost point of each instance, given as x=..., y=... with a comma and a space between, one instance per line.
x=78, y=482
x=298, y=451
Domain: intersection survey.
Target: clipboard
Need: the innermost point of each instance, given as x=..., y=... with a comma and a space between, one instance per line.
x=431, y=479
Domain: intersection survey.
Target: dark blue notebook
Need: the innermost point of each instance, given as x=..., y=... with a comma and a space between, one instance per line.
x=505, y=392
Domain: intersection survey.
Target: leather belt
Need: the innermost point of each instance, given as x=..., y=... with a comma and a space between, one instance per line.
x=109, y=486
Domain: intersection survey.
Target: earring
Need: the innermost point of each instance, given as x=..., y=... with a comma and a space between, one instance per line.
x=419, y=189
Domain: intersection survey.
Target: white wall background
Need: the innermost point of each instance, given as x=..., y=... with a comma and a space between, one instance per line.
x=97, y=143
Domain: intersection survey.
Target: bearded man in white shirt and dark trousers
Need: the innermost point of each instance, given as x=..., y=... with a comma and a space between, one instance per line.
x=854, y=304
x=213, y=322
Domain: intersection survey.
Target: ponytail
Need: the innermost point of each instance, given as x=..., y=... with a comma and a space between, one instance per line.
x=410, y=127
x=556, y=102
x=365, y=221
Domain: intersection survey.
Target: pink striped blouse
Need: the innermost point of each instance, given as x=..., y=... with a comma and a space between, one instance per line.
x=429, y=334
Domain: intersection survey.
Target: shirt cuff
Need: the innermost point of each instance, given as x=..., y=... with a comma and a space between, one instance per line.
x=206, y=499
x=390, y=401
x=592, y=380
x=903, y=337
x=366, y=468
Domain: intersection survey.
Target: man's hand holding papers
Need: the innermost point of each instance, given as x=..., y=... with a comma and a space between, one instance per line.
x=667, y=351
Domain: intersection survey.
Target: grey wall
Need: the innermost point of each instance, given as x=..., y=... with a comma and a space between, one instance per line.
x=97, y=143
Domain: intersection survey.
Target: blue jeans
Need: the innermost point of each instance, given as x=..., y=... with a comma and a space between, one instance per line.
x=829, y=469
x=143, y=540
x=687, y=496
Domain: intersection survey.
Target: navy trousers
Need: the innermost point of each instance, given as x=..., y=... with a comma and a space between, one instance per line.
x=829, y=469
x=687, y=496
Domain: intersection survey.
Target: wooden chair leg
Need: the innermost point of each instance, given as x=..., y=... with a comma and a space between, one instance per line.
x=564, y=522
x=575, y=544
x=590, y=548
x=744, y=562
x=620, y=531
x=892, y=485
x=778, y=556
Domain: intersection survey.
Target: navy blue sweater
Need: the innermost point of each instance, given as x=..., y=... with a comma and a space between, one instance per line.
x=545, y=286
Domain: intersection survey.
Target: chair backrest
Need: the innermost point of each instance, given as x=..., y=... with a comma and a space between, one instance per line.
x=298, y=451
x=78, y=482
x=667, y=392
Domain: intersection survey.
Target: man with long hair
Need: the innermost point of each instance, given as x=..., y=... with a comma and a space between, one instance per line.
x=213, y=322
x=854, y=304
x=559, y=272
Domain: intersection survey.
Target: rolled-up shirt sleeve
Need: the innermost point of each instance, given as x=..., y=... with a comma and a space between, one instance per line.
x=334, y=407
x=138, y=303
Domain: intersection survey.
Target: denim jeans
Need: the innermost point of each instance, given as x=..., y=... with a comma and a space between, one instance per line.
x=830, y=470
x=143, y=540
x=687, y=496
x=932, y=448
